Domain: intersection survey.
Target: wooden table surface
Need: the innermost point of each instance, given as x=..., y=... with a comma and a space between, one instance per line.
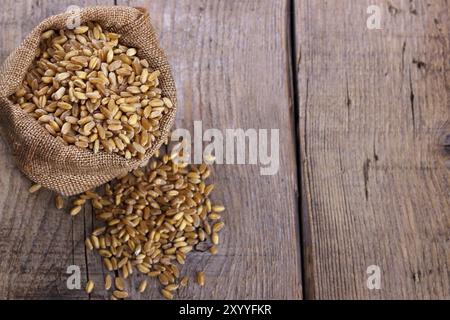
x=363, y=179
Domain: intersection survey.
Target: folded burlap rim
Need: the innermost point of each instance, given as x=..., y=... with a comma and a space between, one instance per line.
x=70, y=170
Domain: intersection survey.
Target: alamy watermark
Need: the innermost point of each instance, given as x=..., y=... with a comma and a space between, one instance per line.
x=374, y=20
x=74, y=280
x=231, y=146
x=74, y=19
x=374, y=279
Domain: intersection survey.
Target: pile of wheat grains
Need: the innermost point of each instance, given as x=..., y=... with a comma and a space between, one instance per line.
x=152, y=219
x=88, y=90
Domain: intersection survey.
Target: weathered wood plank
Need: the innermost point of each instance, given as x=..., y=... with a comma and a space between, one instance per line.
x=230, y=61
x=231, y=66
x=37, y=242
x=372, y=106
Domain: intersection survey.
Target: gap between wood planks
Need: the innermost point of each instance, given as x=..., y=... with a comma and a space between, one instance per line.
x=294, y=93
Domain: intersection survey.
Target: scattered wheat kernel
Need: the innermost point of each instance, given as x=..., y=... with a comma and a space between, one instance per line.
x=218, y=226
x=108, y=282
x=34, y=188
x=142, y=286
x=88, y=244
x=184, y=281
x=120, y=294
x=217, y=208
x=108, y=264
x=172, y=287
x=167, y=294
x=215, y=238
x=119, y=283
x=201, y=278
x=213, y=250
x=89, y=286
x=59, y=202
x=75, y=210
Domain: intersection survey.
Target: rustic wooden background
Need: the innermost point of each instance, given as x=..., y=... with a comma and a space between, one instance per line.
x=363, y=177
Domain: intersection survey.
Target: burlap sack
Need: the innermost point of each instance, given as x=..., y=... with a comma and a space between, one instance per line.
x=65, y=169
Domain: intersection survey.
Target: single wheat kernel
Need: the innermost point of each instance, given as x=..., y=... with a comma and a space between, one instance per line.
x=120, y=294
x=34, y=188
x=184, y=281
x=215, y=238
x=201, y=278
x=172, y=287
x=167, y=294
x=213, y=250
x=119, y=283
x=89, y=286
x=142, y=286
x=88, y=244
x=59, y=202
x=75, y=210
x=108, y=282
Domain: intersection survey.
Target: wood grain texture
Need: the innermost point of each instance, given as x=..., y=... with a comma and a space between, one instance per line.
x=231, y=62
x=373, y=104
x=231, y=65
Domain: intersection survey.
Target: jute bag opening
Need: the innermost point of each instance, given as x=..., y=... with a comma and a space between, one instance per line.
x=67, y=169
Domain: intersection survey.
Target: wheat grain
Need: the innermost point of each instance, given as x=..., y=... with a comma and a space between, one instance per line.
x=213, y=250
x=75, y=210
x=88, y=244
x=218, y=208
x=108, y=282
x=218, y=226
x=201, y=278
x=184, y=281
x=119, y=283
x=215, y=238
x=108, y=264
x=167, y=294
x=171, y=287
x=34, y=188
x=89, y=286
x=120, y=294
x=142, y=286
x=59, y=202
